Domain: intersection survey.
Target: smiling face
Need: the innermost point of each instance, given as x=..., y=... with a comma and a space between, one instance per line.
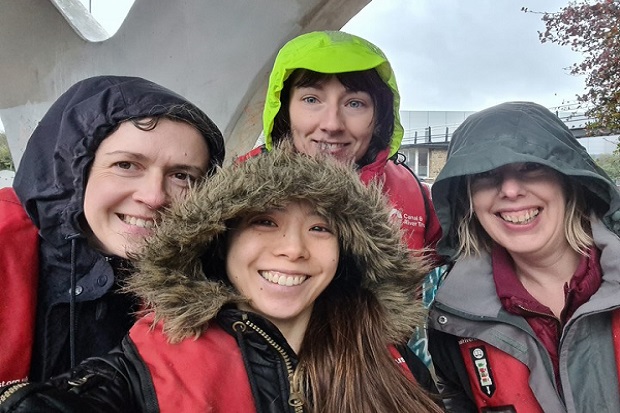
x=282, y=260
x=135, y=173
x=328, y=118
x=522, y=207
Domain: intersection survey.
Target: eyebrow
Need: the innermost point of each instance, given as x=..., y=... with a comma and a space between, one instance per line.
x=320, y=86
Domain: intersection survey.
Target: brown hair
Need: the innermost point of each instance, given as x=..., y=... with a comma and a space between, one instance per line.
x=367, y=81
x=345, y=364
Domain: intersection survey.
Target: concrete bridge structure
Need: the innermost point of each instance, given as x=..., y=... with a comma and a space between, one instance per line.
x=217, y=53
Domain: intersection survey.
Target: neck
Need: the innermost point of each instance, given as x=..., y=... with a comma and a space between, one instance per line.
x=294, y=335
x=293, y=329
x=545, y=277
x=558, y=267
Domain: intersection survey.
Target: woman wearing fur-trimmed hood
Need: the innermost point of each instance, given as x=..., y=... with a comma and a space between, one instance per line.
x=218, y=339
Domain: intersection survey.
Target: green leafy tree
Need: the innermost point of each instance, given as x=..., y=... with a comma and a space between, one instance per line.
x=6, y=161
x=610, y=164
x=591, y=27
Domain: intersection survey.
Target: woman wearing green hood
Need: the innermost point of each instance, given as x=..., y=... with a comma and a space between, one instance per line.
x=527, y=319
x=333, y=92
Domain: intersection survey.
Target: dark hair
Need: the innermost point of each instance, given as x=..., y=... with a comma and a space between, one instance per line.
x=367, y=81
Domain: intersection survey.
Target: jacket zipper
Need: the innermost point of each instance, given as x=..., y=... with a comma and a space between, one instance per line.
x=294, y=398
x=10, y=390
x=536, y=312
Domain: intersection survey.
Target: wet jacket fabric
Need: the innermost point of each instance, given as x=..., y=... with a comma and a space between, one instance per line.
x=315, y=51
x=467, y=308
x=77, y=304
x=195, y=352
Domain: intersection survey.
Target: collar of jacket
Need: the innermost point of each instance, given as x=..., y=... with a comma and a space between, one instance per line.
x=469, y=290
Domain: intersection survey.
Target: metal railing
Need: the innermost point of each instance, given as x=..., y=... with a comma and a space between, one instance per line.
x=573, y=115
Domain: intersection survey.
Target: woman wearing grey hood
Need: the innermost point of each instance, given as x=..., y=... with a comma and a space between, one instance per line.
x=527, y=319
x=281, y=285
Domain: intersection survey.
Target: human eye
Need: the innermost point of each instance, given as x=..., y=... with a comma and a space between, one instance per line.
x=321, y=228
x=123, y=165
x=356, y=104
x=484, y=179
x=484, y=176
x=531, y=167
x=310, y=99
x=262, y=221
x=184, y=178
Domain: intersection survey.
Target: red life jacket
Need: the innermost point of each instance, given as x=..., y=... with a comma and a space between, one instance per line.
x=19, y=270
x=194, y=376
x=499, y=382
x=410, y=202
x=203, y=375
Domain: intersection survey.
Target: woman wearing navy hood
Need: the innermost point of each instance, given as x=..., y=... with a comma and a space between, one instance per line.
x=107, y=157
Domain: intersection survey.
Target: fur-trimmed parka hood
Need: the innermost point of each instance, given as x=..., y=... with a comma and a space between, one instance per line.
x=180, y=272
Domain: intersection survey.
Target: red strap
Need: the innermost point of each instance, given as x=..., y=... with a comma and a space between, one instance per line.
x=497, y=379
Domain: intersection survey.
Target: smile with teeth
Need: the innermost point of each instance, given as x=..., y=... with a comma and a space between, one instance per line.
x=330, y=147
x=521, y=217
x=283, y=279
x=138, y=222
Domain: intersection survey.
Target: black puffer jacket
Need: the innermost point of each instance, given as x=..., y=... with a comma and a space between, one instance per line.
x=50, y=183
x=181, y=279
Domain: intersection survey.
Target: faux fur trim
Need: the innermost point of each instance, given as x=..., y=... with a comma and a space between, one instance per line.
x=186, y=294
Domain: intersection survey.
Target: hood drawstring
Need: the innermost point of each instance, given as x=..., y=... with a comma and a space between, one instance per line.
x=72, y=311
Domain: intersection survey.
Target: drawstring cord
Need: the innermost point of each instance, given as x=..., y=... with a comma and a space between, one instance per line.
x=72, y=312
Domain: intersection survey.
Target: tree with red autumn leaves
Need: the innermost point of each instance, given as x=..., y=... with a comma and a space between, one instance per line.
x=592, y=28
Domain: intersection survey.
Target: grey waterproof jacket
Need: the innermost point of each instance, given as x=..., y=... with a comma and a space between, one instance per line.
x=467, y=305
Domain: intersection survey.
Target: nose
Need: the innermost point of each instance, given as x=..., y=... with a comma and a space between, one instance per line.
x=152, y=192
x=292, y=245
x=331, y=118
x=511, y=186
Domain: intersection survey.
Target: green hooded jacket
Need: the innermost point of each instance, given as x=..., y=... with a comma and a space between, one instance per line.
x=328, y=52
x=516, y=132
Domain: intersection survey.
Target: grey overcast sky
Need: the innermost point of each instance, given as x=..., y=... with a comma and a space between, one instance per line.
x=452, y=54
x=469, y=54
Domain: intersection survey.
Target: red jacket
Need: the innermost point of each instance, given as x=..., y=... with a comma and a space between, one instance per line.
x=19, y=268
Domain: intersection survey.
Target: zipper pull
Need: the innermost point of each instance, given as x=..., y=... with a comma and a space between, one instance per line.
x=295, y=398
